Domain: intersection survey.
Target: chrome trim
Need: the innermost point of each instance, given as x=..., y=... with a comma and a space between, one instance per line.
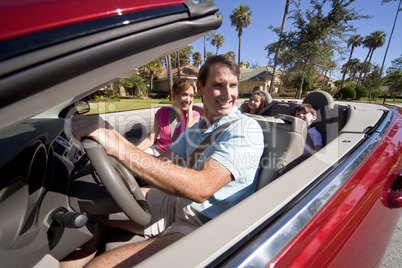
x=279, y=235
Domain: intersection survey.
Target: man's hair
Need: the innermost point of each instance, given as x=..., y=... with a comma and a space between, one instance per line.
x=306, y=107
x=217, y=59
x=181, y=85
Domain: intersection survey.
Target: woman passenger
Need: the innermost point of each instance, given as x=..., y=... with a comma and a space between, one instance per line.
x=180, y=116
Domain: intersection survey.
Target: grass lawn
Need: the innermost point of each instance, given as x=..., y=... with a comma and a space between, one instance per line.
x=387, y=101
x=135, y=104
x=126, y=105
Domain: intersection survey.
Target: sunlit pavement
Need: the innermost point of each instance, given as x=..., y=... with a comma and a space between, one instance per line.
x=393, y=256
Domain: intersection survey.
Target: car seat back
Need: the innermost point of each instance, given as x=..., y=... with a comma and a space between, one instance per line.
x=199, y=109
x=277, y=108
x=284, y=140
x=331, y=118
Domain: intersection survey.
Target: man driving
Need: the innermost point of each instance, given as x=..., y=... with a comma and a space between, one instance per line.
x=183, y=197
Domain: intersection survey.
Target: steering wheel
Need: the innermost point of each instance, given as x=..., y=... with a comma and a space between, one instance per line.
x=119, y=182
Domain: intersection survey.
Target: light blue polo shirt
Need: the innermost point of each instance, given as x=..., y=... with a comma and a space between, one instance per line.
x=238, y=148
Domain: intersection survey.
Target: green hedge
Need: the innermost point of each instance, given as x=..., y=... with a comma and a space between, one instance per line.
x=361, y=92
x=346, y=93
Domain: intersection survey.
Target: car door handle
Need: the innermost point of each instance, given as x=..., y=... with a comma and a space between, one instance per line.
x=394, y=197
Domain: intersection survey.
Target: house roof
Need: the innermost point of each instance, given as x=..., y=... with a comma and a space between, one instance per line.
x=187, y=70
x=326, y=77
x=260, y=74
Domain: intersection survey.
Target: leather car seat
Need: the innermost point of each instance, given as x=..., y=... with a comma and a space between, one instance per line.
x=284, y=139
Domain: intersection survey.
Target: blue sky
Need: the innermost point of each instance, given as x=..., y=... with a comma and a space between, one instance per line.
x=270, y=12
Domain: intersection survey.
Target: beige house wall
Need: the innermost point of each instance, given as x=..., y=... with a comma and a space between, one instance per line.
x=247, y=87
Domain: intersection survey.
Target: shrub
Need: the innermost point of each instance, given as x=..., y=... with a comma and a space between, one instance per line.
x=327, y=89
x=361, y=92
x=347, y=93
x=286, y=95
x=105, y=94
x=376, y=93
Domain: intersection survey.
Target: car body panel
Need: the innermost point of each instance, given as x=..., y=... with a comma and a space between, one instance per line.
x=347, y=232
x=27, y=17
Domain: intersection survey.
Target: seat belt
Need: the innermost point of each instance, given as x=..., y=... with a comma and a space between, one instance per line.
x=207, y=142
x=269, y=106
x=172, y=123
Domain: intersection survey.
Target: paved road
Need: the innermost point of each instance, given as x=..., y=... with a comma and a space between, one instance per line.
x=393, y=255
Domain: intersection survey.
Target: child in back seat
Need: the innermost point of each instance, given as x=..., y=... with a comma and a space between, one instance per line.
x=257, y=102
x=314, y=139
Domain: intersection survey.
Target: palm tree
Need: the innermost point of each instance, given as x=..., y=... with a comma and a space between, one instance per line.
x=209, y=54
x=372, y=42
x=150, y=70
x=392, y=31
x=240, y=18
x=354, y=67
x=277, y=50
x=231, y=54
x=354, y=41
x=197, y=60
x=217, y=40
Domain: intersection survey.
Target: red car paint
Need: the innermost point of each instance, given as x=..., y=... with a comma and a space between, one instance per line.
x=25, y=17
x=346, y=232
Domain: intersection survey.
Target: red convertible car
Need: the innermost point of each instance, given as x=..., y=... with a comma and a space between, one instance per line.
x=337, y=208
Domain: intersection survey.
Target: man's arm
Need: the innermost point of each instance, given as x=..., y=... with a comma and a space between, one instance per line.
x=162, y=173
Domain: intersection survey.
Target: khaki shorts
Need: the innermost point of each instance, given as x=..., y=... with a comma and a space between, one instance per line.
x=170, y=214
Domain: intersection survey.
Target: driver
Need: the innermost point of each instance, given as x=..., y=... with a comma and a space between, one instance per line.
x=183, y=198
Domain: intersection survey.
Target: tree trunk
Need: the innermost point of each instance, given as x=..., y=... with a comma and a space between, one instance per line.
x=368, y=64
x=238, y=63
x=205, y=50
x=343, y=77
x=300, y=91
x=281, y=84
x=363, y=67
x=170, y=77
x=271, y=86
x=178, y=64
x=347, y=66
x=151, y=83
x=390, y=36
x=323, y=80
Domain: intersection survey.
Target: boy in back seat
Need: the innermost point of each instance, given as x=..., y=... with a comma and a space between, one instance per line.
x=314, y=139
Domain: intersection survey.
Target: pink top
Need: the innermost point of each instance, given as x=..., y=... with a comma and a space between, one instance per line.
x=165, y=140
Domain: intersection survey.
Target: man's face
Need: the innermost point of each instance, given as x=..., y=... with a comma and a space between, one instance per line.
x=219, y=93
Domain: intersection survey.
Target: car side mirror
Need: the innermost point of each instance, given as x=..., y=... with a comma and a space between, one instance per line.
x=82, y=107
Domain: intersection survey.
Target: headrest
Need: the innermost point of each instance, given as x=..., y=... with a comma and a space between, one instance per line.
x=269, y=98
x=319, y=99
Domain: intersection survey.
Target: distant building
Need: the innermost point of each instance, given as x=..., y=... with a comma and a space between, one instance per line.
x=161, y=83
x=258, y=79
x=250, y=79
x=326, y=81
